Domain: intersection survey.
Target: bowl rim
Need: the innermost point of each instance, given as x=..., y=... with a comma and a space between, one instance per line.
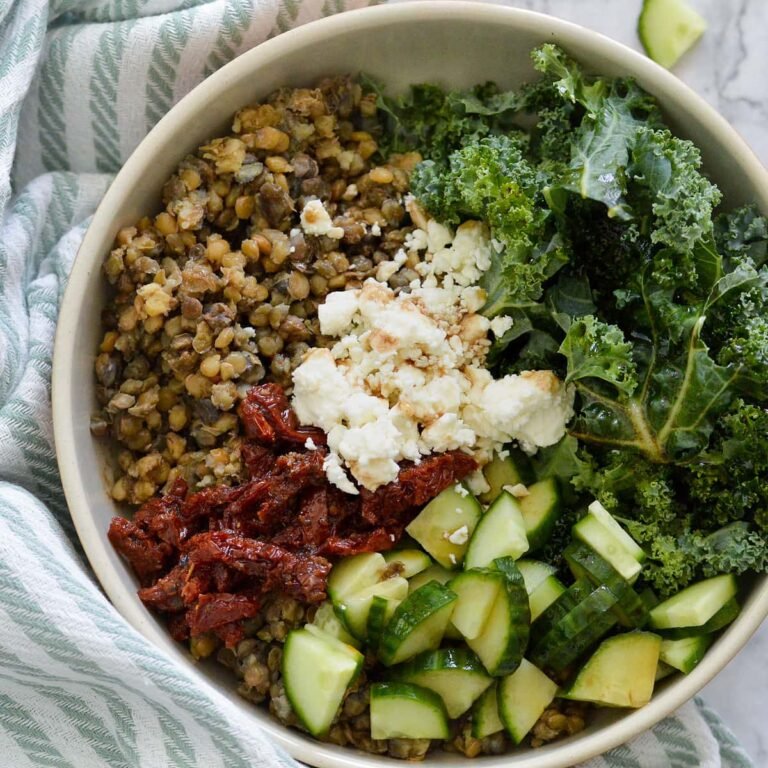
x=557, y=755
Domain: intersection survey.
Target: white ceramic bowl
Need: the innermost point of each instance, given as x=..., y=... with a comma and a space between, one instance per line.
x=454, y=43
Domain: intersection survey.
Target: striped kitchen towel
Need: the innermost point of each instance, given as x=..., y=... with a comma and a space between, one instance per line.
x=80, y=84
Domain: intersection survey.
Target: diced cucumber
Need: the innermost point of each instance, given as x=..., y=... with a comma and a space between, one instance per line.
x=515, y=469
x=576, y=632
x=327, y=620
x=500, y=533
x=544, y=595
x=620, y=673
x=613, y=525
x=504, y=637
x=354, y=609
x=352, y=574
x=523, y=696
x=696, y=604
x=485, y=715
x=317, y=670
x=477, y=591
x=433, y=573
x=418, y=624
x=405, y=711
x=663, y=671
x=541, y=510
x=455, y=674
x=685, y=654
x=721, y=619
x=534, y=572
x=578, y=591
x=446, y=524
x=595, y=535
x=584, y=562
x=408, y=562
x=381, y=611
x=669, y=28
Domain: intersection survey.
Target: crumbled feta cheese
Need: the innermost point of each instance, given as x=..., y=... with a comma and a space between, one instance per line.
x=309, y=444
x=462, y=491
x=459, y=536
x=452, y=558
x=336, y=312
x=376, y=230
x=519, y=491
x=337, y=476
x=315, y=220
x=500, y=325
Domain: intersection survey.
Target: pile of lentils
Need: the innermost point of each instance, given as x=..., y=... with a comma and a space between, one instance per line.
x=220, y=290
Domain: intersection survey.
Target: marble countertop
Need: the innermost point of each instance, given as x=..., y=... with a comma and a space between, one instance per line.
x=728, y=68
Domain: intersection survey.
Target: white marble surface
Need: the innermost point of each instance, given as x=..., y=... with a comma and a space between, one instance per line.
x=729, y=68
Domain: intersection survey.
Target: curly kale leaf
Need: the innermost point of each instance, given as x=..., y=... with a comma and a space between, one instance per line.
x=491, y=179
x=435, y=122
x=743, y=235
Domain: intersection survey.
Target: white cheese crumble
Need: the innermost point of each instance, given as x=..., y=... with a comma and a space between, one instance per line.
x=500, y=325
x=315, y=220
x=519, y=491
x=309, y=444
x=462, y=491
x=459, y=536
x=452, y=558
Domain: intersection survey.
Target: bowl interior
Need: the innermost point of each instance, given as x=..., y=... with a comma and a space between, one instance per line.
x=455, y=44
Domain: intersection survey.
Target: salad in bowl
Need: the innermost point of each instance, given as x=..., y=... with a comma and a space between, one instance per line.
x=440, y=419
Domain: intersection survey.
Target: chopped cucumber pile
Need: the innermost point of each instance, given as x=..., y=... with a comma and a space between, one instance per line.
x=462, y=625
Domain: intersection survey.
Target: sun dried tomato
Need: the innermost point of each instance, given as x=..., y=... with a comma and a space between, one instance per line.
x=268, y=418
x=147, y=555
x=258, y=460
x=213, y=611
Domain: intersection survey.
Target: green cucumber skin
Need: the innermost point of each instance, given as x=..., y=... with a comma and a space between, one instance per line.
x=686, y=653
x=721, y=619
x=577, y=632
x=540, y=524
x=630, y=609
x=577, y=592
x=411, y=614
x=411, y=697
x=460, y=663
x=519, y=618
x=485, y=714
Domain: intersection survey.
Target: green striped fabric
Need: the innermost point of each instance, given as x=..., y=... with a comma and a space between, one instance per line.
x=81, y=82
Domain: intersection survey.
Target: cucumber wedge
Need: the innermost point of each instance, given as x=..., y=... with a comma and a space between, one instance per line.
x=352, y=574
x=541, y=510
x=404, y=711
x=544, y=595
x=407, y=562
x=630, y=608
x=596, y=509
x=455, y=674
x=433, y=573
x=445, y=526
x=601, y=539
x=663, y=671
x=381, y=611
x=354, y=610
x=523, y=696
x=500, y=533
x=695, y=605
x=477, y=591
x=549, y=618
x=504, y=636
x=620, y=673
x=485, y=715
x=534, y=572
x=317, y=670
x=668, y=29
x=327, y=620
x=721, y=619
x=574, y=634
x=515, y=469
x=685, y=654
x=418, y=624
